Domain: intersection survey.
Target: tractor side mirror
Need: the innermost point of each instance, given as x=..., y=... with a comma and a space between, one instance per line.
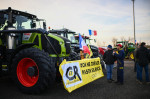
x=33, y=25
x=44, y=25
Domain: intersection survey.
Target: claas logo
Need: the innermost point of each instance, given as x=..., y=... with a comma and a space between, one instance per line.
x=72, y=72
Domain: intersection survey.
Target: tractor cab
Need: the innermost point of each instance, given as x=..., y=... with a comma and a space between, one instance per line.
x=20, y=20
x=68, y=34
x=125, y=44
x=11, y=19
x=87, y=41
x=65, y=33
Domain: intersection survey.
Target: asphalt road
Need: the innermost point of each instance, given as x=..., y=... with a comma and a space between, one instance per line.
x=99, y=89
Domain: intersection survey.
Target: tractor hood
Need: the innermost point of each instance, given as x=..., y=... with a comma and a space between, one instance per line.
x=93, y=47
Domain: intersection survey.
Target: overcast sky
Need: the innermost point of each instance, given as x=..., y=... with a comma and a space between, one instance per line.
x=111, y=18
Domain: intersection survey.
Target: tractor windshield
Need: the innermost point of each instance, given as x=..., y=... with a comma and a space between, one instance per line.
x=131, y=45
x=23, y=22
x=119, y=43
x=87, y=41
x=71, y=37
x=3, y=20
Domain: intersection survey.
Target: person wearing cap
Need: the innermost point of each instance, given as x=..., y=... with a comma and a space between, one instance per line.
x=109, y=60
x=142, y=55
x=120, y=64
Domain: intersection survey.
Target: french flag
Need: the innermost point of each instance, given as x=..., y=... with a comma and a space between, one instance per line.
x=83, y=45
x=92, y=32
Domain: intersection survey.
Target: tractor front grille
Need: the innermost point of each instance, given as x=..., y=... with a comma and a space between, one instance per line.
x=48, y=48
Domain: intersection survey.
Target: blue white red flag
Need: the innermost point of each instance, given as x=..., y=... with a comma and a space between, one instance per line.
x=90, y=32
x=83, y=45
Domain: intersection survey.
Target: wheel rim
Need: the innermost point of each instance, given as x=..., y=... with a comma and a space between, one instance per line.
x=22, y=72
x=131, y=56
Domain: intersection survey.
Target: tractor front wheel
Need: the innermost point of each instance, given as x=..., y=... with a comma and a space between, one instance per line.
x=33, y=70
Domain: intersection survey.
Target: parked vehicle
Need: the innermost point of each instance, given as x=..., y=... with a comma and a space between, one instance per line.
x=31, y=55
x=128, y=48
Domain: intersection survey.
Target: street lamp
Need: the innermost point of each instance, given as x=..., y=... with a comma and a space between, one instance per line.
x=134, y=22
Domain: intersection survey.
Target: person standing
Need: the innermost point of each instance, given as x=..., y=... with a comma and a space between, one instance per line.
x=142, y=55
x=109, y=60
x=135, y=59
x=120, y=64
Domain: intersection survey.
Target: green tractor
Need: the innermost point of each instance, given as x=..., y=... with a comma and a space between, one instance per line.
x=69, y=34
x=74, y=38
x=30, y=55
x=128, y=48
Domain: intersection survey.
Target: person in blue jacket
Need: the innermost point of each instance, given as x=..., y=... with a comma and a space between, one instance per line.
x=120, y=64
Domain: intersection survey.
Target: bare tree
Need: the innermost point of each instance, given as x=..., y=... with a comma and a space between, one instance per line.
x=104, y=43
x=130, y=39
x=114, y=40
x=98, y=43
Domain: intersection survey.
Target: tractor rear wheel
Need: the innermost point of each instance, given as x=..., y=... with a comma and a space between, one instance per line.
x=131, y=56
x=102, y=61
x=33, y=70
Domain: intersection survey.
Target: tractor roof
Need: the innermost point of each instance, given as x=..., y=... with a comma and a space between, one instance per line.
x=121, y=41
x=77, y=36
x=131, y=43
x=61, y=30
x=86, y=37
x=17, y=12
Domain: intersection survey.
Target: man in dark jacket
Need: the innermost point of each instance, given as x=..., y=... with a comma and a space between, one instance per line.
x=142, y=55
x=109, y=60
x=120, y=64
x=135, y=59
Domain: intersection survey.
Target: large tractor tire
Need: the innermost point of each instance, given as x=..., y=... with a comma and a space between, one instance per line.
x=102, y=61
x=33, y=70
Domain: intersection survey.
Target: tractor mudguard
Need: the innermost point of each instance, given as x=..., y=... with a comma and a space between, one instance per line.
x=23, y=46
x=19, y=48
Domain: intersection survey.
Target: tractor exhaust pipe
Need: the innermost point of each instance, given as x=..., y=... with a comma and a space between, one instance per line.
x=11, y=39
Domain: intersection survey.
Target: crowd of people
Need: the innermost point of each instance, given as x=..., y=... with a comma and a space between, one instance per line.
x=141, y=58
